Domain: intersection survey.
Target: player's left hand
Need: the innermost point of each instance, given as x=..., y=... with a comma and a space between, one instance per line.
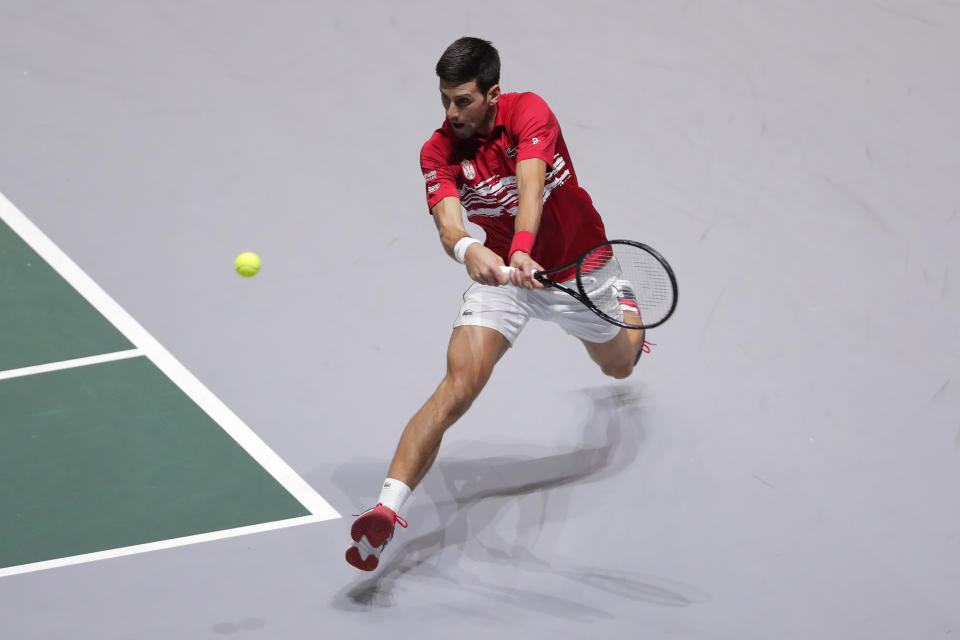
x=523, y=275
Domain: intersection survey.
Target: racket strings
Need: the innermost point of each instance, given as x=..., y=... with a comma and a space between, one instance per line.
x=629, y=270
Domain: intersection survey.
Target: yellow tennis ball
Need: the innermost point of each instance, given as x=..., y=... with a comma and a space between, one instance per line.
x=247, y=264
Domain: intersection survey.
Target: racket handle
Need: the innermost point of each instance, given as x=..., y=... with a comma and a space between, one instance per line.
x=507, y=271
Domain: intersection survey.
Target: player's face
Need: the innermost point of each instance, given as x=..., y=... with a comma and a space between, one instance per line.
x=469, y=111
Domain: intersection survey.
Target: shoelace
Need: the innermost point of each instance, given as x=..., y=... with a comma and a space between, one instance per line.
x=396, y=518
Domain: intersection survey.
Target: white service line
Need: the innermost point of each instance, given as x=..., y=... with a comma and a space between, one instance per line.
x=156, y=546
x=69, y=364
x=149, y=346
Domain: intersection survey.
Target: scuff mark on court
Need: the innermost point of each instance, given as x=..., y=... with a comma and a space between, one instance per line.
x=940, y=391
x=864, y=206
x=759, y=479
x=713, y=311
x=909, y=16
x=706, y=232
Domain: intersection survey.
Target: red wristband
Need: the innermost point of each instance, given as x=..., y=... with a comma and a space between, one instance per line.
x=522, y=241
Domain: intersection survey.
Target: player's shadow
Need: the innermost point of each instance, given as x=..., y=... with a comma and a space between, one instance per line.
x=470, y=496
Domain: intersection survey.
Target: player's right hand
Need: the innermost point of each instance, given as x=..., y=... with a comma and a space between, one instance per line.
x=483, y=266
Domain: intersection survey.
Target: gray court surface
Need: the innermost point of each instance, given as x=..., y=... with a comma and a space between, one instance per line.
x=785, y=464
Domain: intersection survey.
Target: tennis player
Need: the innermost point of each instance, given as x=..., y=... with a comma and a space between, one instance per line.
x=501, y=156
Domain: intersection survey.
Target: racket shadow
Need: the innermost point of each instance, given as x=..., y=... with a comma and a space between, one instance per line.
x=469, y=496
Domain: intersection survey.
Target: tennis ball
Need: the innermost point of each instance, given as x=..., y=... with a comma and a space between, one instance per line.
x=247, y=264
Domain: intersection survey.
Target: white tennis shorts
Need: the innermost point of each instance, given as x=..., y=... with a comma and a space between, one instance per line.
x=508, y=308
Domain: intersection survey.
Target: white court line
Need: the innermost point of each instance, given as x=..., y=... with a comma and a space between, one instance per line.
x=146, y=343
x=69, y=364
x=156, y=546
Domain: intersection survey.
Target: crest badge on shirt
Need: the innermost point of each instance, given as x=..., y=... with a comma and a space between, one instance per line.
x=468, y=171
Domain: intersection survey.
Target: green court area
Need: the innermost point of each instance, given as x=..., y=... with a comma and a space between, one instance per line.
x=43, y=318
x=112, y=454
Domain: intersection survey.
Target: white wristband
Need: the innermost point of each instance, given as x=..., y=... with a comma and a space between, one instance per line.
x=460, y=249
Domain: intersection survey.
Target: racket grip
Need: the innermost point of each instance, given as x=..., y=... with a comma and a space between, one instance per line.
x=507, y=271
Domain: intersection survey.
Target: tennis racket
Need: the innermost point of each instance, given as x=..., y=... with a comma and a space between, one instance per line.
x=615, y=271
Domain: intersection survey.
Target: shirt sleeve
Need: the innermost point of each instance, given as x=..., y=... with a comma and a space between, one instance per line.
x=438, y=174
x=535, y=128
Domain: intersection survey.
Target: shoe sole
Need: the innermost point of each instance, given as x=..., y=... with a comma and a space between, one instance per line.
x=354, y=558
x=376, y=528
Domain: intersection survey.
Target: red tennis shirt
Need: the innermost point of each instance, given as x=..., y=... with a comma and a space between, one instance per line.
x=482, y=173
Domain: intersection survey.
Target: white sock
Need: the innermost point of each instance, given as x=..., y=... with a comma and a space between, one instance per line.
x=393, y=494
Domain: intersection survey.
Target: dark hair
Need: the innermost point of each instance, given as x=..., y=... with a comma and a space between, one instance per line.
x=470, y=59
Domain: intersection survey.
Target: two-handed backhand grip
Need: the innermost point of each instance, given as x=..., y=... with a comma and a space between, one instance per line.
x=507, y=270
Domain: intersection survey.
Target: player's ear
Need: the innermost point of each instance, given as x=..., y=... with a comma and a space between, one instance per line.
x=493, y=94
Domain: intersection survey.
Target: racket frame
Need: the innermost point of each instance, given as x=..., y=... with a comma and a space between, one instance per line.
x=581, y=294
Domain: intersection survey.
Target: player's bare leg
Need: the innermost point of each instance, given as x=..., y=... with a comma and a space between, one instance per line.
x=471, y=356
x=617, y=357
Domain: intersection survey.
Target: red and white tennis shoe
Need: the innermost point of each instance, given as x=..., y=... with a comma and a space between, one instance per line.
x=371, y=532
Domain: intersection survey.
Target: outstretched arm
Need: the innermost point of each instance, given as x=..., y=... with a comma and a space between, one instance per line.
x=530, y=177
x=483, y=265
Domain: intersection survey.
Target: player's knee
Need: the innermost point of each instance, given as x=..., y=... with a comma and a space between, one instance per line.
x=619, y=370
x=460, y=392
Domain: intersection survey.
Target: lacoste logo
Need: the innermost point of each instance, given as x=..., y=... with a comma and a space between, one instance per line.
x=468, y=313
x=511, y=152
x=386, y=484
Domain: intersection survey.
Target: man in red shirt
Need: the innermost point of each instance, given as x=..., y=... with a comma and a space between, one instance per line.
x=501, y=156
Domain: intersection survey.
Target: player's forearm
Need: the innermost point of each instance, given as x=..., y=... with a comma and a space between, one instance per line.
x=449, y=221
x=530, y=179
x=450, y=237
x=529, y=211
